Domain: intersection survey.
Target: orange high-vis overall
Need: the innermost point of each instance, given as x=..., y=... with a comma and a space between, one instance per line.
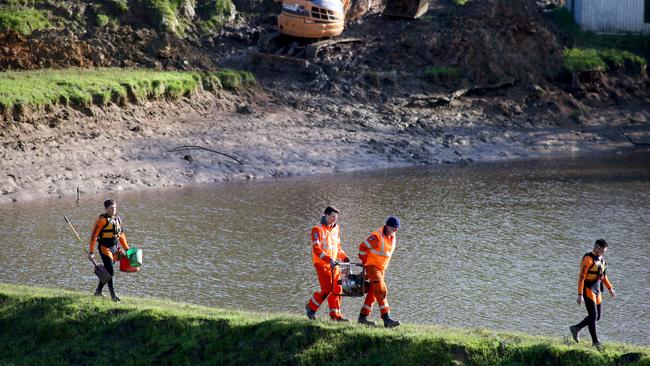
x=593, y=270
x=375, y=254
x=326, y=246
x=108, y=231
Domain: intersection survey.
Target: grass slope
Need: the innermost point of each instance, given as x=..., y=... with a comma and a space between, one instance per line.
x=47, y=326
x=27, y=90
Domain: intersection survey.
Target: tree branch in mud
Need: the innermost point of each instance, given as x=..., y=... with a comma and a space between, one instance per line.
x=195, y=147
x=629, y=138
x=432, y=101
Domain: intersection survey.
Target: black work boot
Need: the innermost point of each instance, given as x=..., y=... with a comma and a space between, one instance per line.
x=574, y=333
x=114, y=297
x=310, y=313
x=98, y=292
x=363, y=319
x=388, y=322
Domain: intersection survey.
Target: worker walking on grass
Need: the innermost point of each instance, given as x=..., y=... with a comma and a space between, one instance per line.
x=375, y=253
x=593, y=275
x=108, y=232
x=326, y=251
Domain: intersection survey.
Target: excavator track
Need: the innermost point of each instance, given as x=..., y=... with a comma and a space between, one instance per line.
x=277, y=44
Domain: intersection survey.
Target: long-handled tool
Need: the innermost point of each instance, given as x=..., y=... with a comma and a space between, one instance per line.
x=100, y=271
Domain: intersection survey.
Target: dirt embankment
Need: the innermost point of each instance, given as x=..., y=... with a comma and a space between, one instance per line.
x=359, y=105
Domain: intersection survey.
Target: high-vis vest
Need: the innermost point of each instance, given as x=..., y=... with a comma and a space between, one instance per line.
x=380, y=254
x=329, y=240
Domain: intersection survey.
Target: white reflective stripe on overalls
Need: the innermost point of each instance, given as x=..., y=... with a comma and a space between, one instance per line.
x=313, y=299
x=382, y=251
x=325, y=246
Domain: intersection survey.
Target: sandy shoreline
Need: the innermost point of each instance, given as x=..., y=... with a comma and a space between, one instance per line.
x=115, y=149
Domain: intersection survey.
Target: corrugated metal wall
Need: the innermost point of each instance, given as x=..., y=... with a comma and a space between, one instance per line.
x=610, y=16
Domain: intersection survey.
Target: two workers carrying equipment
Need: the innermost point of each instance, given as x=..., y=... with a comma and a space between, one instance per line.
x=338, y=279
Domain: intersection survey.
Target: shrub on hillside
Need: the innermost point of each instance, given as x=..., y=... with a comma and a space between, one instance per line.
x=22, y=20
x=577, y=59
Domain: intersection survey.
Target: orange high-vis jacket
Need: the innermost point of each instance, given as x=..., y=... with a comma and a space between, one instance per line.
x=377, y=250
x=326, y=244
x=591, y=273
x=105, y=229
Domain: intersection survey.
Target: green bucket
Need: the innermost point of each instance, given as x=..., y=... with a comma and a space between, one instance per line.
x=135, y=257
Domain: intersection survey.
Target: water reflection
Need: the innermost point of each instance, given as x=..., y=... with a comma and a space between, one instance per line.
x=494, y=246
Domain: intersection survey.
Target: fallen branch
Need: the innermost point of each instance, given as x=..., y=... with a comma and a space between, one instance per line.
x=433, y=101
x=629, y=138
x=441, y=100
x=193, y=147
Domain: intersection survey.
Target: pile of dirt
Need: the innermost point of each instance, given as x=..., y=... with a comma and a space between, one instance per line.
x=111, y=46
x=488, y=42
x=43, y=49
x=496, y=40
x=504, y=57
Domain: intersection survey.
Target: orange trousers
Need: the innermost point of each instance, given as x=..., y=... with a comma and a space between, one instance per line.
x=377, y=292
x=324, y=274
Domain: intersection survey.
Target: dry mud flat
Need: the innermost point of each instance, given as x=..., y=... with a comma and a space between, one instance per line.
x=136, y=147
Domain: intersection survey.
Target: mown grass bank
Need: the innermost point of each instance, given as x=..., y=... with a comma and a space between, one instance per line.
x=45, y=327
x=32, y=90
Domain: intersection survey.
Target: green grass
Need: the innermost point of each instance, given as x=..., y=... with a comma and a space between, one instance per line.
x=22, y=20
x=25, y=16
x=164, y=14
x=24, y=3
x=618, y=59
x=102, y=20
x=24, y=90
x=637, y=44
x=235, y=79
x=50, y=326
x=440, y=73
x=577, y=59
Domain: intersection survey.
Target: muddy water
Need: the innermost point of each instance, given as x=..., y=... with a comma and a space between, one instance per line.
x=494, y=246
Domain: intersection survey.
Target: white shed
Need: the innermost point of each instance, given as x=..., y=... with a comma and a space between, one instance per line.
x=611, y=16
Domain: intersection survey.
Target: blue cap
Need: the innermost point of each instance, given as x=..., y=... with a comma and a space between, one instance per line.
x=393, y=221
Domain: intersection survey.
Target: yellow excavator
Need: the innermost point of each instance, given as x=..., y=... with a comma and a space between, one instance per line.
x=326, y=18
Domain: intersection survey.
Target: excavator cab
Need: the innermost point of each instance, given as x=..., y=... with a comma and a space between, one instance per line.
x=326, y=18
